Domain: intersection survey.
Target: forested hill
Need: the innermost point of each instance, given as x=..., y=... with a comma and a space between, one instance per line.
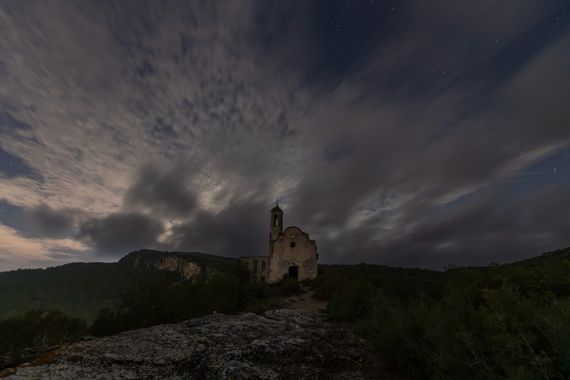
x=82, y=289
x=509, y=321
x=493, y=322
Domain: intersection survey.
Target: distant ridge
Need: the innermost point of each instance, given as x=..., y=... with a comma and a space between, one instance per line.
x=193, y=256
x=82, y=289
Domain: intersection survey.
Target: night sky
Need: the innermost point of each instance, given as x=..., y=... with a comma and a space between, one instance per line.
x=413, y=133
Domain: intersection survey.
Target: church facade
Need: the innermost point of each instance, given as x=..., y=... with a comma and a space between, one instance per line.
x=291, y=253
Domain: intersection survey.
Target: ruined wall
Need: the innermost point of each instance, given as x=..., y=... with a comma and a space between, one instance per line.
x=293, y=248
x=257, y=267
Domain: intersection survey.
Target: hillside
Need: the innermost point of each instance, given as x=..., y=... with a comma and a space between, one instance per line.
x=509, y=321
x=82, y=289
x=493, y=322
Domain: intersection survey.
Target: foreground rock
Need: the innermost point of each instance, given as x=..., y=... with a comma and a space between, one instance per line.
x=282, y=344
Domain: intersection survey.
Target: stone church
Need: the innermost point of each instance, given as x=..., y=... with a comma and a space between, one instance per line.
x=291, y=253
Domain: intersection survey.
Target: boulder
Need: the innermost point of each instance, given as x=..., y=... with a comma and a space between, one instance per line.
x=281, y=344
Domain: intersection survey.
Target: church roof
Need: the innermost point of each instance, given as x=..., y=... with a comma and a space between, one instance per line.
x=276, y=208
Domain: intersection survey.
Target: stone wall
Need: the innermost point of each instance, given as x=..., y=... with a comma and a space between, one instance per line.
x=257, y=266
x=293, y=248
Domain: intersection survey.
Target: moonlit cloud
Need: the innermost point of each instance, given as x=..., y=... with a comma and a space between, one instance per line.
x=394, y=132
x=16, y=249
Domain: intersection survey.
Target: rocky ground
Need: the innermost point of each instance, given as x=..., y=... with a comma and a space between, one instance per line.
x=304, y=300
x=281, y=344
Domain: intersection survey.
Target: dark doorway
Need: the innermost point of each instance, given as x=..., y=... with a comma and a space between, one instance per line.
x=294, y=272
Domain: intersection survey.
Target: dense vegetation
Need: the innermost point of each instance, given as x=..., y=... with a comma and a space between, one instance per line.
x=504, y=321
x=148, y=298
x=69, y=288
x=158, y=300
x=82, y=289
x=27, y=336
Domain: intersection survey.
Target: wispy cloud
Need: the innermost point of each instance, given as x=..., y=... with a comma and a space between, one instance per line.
x=17, y=249
x=189, y=119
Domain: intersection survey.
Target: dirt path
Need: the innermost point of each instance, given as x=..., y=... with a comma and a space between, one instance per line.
x=304, y=301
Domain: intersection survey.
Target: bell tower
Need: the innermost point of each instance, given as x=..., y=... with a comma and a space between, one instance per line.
x=276, y=222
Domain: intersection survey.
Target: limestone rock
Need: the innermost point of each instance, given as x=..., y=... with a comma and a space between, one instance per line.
x=186, y=269
x=282, y=344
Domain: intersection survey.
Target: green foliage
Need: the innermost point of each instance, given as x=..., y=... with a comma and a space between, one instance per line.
x=158, y=300
x=70, y=287
x=352, y=302
x=110, y=322
x=499, y=322
x=285, y=287
x=35, y=331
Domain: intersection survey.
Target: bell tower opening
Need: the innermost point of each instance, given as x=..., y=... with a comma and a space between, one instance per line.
x=275, y=223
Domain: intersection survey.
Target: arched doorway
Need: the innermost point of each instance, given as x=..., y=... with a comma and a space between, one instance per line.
x=294, y=272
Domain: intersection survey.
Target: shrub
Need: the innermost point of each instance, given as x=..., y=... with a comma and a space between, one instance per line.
x=499, y=322
x=285, y=287
x=25, y=336
x=158, y=300
x=351, y=303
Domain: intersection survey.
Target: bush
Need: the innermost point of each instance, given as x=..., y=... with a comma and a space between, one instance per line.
x=351, y=303
x=499, y=322
x=157, y=300
x=109, y=322
x=28, y=335
x=285, y=287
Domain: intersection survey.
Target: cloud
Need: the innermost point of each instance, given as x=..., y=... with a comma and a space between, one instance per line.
x=17, y=251
x=118, y=234
x=239, y=230
x=13, y=166
x=162, y=193
x=387, y=130
x=486, y=229
x=46, y=222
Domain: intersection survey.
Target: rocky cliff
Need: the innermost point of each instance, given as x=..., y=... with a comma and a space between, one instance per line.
x=187, y=265
x=281, y=344
x=186, y=269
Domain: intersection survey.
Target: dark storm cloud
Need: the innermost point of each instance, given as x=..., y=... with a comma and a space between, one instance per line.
x=480, y=231
x=392, y=131
x=40, y=221
x=418, y=165
x=46, y=222
x=396, y=163
x=118, y=234
x=486, y=229
x=162, y=193
x=238, y=230
x=233, y=224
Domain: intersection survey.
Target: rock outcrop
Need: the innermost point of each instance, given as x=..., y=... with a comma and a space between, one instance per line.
x=193, y=266
x=281, y=344
x=186, y=269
